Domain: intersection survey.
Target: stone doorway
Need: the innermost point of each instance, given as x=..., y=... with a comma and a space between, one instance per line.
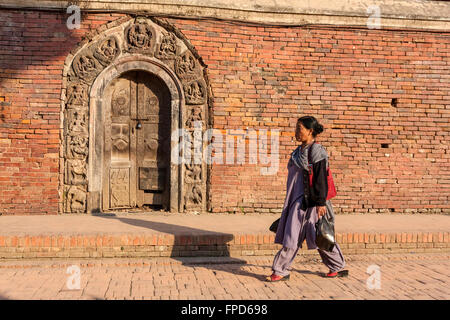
x=137, y=127
x=124, y=89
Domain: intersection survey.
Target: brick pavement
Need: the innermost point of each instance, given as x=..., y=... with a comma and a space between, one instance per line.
x=402, y=276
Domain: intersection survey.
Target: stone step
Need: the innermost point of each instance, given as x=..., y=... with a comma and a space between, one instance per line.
x=211, y=245
x=206, y=235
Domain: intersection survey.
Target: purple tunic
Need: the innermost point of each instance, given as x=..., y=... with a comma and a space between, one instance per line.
x=295, y=224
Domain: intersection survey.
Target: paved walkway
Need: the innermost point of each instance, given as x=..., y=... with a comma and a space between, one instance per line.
x=183, y=223
x=411, y=276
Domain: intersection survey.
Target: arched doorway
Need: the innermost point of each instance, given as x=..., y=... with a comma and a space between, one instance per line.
x=137, y=127
x=134, y=92
x=125, y=91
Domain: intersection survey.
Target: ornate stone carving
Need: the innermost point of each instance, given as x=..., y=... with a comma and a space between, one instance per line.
x=76, y=95
x=186, y=67
x=193, y=173
x=75, y=199
x=140, y=37
x=77, y=147
x=86, y=67
x=168, y=48
x=195, y=114
x=195, y=92
x=77, y=121
x=196, y=141
x=76, y=172
x=193, y=197
x=107, y=50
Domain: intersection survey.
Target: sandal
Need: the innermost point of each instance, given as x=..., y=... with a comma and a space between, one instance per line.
x=342, y=273
x=275, y=278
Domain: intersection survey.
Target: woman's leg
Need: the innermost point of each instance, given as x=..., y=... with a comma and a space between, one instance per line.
x=283, y=260
x=334, y=260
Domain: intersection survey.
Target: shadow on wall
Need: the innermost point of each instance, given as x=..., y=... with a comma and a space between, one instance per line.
x=34, y=48
x=181, y=235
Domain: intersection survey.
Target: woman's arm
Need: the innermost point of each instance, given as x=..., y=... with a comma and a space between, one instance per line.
x=320, y=183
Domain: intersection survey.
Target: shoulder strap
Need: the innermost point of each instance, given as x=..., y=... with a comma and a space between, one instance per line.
x=310, y=152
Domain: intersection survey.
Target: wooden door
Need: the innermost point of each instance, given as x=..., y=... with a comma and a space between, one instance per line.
x=137, y=143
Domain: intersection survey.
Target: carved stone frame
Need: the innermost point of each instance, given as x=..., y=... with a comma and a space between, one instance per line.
x=85, y=77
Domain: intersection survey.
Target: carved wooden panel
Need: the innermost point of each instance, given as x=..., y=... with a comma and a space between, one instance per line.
x=137, y=148
x=120, y=187
x=120, y=102
x=120, y=142
x=119, y=167
x=152, y=179
x=153, y=156
x=150, y=143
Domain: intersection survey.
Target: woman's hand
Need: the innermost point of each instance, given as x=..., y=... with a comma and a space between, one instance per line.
x=321, y=211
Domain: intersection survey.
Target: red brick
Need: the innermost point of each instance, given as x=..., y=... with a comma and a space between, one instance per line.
x=350, y=238
x=261, y=87
x=47, y=241
x=73, y=241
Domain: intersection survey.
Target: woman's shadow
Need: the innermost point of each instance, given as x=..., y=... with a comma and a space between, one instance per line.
x=187, y=237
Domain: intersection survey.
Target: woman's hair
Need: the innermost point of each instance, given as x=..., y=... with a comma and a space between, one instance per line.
x=309, y=122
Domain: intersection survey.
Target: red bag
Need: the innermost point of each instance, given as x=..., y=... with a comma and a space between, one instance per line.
x=331, y=188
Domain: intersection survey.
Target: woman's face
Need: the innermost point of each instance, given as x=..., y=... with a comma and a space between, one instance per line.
x=301, y=133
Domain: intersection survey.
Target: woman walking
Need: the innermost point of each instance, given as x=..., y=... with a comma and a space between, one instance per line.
x=304, y=205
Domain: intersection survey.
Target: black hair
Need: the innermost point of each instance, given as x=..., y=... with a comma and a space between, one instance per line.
x=309, y=122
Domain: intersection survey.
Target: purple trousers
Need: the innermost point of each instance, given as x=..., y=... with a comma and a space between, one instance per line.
x=282, y=262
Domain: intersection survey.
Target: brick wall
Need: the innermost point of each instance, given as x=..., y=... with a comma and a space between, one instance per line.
x=33, y=48
x=385, y=155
